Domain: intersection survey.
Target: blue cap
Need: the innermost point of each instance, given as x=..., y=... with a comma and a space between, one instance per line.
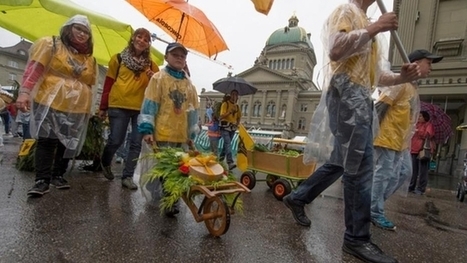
x=175, y=45
x=423, y=53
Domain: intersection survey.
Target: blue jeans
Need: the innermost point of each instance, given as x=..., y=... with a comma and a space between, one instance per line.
x=6, y=120
x=419, y=173
x=118, y=121
x=392, y=169
x=123, y=150
x=357, y=193
x=227, y=148
x=26, y=133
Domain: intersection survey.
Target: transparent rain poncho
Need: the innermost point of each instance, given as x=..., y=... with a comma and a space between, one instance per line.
x=345, y=119
x=63, y=95
x=169, y=113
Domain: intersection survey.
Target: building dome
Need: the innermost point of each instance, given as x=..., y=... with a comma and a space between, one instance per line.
x=290, y=34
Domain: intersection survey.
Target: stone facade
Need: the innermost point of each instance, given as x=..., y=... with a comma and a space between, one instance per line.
x=286, y=96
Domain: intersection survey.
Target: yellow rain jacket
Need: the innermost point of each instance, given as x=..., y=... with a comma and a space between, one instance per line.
x=397, y=126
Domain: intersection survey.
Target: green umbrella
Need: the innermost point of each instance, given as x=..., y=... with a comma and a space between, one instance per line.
x=33, y=19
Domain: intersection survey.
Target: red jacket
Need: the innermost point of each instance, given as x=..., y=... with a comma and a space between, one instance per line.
x=11, y=109
x=423, y=130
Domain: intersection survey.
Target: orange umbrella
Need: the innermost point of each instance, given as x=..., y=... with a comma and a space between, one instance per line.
x=263, y=6
x=183, y=22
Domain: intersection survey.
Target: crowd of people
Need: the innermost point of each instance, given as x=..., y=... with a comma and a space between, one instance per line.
x=376, y=146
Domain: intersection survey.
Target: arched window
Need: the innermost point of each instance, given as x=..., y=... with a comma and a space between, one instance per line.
x=270, y=64
x=244, y=108
x=270, y=112
x=284, y=109
x=301, y=123
x=292, y=63
x=288, y=64
x=273, y=110
x=275, y=64
x=257, y=109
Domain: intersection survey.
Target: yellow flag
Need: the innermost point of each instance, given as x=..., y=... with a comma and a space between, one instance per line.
x=26, y=147
x=263, y=6
x=245, y=143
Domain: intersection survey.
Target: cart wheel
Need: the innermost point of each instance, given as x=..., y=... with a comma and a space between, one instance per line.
x=462, y=193
x=270, y=179
x=218, y=225
x=281, y=188
x=248, y=179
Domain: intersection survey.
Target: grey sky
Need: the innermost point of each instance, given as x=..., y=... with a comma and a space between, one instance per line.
x=244, y=30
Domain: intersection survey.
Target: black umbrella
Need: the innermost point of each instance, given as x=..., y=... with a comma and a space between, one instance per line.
x=226, y=85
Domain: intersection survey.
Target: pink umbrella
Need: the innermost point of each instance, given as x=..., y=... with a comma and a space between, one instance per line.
x=440, y=120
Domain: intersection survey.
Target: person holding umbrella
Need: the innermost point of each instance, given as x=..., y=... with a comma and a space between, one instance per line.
x=59, y=82
x=423, y=133
x=230, y=116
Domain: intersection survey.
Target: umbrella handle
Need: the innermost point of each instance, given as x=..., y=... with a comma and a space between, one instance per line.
x=394, y=35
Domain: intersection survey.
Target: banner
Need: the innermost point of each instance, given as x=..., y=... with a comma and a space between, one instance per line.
x=245, y=143
x=26, y=147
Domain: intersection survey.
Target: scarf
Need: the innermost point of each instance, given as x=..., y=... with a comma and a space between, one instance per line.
x=81, y=48
x=136, y=65
x=175, y=73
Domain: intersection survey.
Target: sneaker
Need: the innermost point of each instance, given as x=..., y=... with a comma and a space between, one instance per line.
x=93, y=167
x=232, y=166
x=368, y=252
x=298, y=211
x=383, y=223
x=171, y=212
x=7, y=135
x=418, y=192
x=119, y=160
x=59, y=182
x=107, y=171
x=128, y=183
x=40, y=188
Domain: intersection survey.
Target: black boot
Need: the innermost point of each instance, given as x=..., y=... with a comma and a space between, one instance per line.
x=95, y=166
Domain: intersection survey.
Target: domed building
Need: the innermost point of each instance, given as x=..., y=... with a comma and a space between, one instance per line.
x=286, y=96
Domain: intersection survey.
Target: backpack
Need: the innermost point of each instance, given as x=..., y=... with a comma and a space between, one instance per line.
x=216, y=110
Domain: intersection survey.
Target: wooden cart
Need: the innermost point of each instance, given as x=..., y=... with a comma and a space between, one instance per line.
x=213, y=210
x=283, y=172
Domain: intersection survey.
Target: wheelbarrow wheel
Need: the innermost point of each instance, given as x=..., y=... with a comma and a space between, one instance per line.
x=248, y=179
x=219, y=224
x=281, y=188
x=270, y=179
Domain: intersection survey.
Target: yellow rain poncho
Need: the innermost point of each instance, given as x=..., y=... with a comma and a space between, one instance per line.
x=62, y=97
x=345, y=119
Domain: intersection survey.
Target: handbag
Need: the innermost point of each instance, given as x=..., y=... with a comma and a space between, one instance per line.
x=425, y=153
